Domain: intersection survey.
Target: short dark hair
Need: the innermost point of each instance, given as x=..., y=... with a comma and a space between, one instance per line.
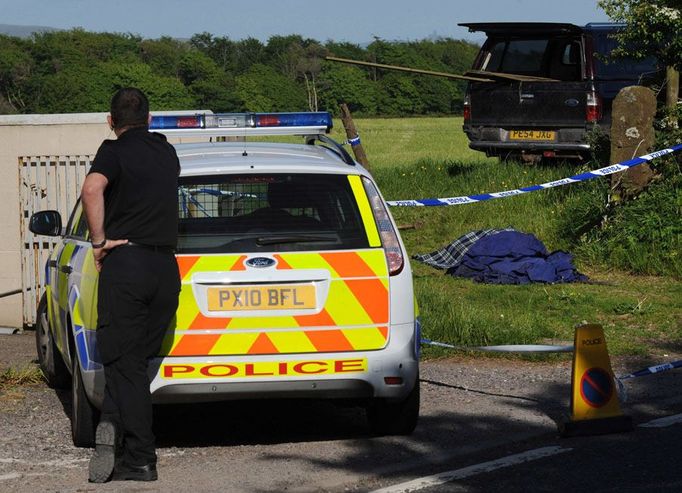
x=129, y=108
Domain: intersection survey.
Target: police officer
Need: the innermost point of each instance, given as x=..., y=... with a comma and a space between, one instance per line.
x=130, y=202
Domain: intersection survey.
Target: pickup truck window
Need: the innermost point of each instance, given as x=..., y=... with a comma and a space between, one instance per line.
x=554, y=58
x=522, y=56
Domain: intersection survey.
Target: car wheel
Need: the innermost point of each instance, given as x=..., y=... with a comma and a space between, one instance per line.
x=84, y=416
x=49, y=358
x=386, y=417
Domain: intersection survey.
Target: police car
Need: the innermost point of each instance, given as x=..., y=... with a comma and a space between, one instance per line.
x=295, y=282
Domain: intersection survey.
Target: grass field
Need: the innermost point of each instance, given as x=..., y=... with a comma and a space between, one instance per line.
x=428, y=157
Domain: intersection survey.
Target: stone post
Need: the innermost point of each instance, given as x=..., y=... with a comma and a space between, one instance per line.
x=632, y=135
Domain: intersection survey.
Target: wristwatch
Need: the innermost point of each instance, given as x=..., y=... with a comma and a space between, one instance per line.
x=99, y=245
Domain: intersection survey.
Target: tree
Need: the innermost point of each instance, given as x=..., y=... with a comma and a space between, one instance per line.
x=264, y=89
x=654, y=28
x=222, y=50
x=163, y=54
x=16, y=70
x=347, y=84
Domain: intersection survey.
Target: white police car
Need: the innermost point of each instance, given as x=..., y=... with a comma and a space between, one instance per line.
x=295, y=282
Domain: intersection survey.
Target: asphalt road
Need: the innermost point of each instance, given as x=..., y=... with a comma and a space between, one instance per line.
x=475, y=412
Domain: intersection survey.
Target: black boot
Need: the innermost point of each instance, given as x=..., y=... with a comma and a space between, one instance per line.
x=124, y=472
x=102, y=460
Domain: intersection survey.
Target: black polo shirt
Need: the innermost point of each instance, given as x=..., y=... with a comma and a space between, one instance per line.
x=141, y=198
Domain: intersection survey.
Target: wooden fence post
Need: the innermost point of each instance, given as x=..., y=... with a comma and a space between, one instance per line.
x=352, y=134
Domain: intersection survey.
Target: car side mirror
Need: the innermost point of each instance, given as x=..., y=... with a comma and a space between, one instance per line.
x=48, y=223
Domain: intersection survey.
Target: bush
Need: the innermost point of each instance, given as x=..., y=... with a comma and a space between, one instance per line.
x=643, y=235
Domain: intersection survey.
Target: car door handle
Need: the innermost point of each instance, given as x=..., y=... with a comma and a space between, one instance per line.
x=66, y=269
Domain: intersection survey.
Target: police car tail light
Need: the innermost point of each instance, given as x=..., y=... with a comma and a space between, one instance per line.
x=304, y=123
x=388, y=235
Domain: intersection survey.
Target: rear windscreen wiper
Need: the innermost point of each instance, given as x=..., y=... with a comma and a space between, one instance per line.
x=273, y=240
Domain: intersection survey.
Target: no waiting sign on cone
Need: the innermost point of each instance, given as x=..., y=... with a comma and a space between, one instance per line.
x=594, y=401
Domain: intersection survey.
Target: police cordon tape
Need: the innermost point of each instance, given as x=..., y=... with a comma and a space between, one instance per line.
x=653, y=369
x=547, y=348
x=510, y=348
x=643, y=373
x=598, y=173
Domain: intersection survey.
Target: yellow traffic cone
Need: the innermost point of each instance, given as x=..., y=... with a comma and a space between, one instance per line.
x=595, y=408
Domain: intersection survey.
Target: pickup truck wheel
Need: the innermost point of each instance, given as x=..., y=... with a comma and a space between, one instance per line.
x=49, y=358
x=394, y=418
x=84, y=416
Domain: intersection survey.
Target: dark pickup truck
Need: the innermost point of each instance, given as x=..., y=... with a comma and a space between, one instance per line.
x=548, y=85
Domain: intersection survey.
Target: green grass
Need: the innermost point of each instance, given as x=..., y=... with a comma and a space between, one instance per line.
x=428, y=157
x=13, y=377
x=393, y=142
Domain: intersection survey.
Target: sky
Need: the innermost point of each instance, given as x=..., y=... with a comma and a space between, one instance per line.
x=356, y=21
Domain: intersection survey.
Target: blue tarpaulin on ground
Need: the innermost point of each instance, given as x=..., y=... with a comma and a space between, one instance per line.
x=504, y=257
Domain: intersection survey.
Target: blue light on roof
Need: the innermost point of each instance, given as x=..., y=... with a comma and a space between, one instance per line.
x=243, y=120
x=191, y=121
x=321, y=118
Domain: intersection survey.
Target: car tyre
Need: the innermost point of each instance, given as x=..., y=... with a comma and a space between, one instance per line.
x=387, y=417
x=84, y=416
x=49, y=358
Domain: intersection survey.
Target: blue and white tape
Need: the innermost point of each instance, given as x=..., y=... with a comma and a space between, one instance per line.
x=354, y=141
x=598, y=173
x=622, y=391
x=653, y=369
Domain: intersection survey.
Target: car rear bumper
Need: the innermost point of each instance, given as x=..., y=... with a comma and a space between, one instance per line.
x=528, y=146
x=358, y=374
x=496, y=140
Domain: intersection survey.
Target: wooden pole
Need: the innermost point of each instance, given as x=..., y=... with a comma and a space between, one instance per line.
x=352, y=135
x=406, y=69
x=672, y=94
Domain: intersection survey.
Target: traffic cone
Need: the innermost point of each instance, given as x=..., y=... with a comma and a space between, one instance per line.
x=595, y=409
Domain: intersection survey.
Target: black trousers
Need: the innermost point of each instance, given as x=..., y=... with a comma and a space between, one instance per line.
x=137, y=300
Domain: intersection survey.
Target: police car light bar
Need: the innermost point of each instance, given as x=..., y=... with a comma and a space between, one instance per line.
x=243, y=124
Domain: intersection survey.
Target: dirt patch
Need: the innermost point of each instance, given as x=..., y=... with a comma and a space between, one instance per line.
x=17, y=351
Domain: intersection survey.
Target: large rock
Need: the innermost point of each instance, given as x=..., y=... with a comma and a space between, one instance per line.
x=632, y=135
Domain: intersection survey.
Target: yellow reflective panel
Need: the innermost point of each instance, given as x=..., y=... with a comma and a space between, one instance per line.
x=234, y=343
x=64, y=259
x=343, y=307
x=262, y=323
x=292, y=342
x=88, y=291
x=187, y=308
x=213, y=263
x=307, y=261
x=365, y=339
x=375, y=260
x=76, y=313
x=365, y=210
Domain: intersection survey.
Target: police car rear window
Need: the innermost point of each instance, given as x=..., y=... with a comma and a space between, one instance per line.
x=268, y=212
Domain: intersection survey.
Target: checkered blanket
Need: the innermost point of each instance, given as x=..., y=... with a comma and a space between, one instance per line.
x=450, y=255
x=504, y=256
